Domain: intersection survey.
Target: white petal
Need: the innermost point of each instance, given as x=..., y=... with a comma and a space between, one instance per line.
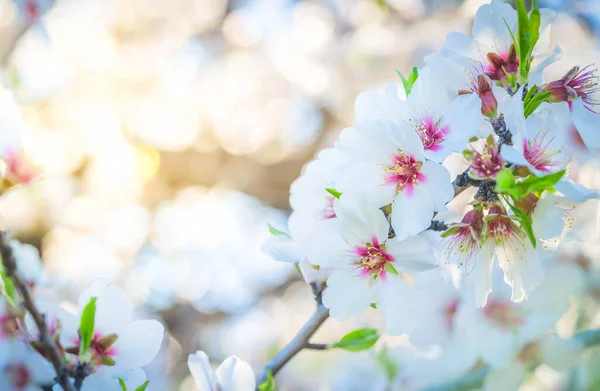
x=412, y=255
x=346, y=294
x=483, y=275
x=325, y=246
x=561, y=354
x=489, y=25
x=373, y=105
x=523, y=269
x=399, y=303
x=587, y=124
x=365, y=183
x=438, y=185
x=510, y=154
x=461, y=48
x=202, y=372
x=235, y=375
x=139, y=343
x=359, y=222
x=548, y=221
x=411, y=214
x=113, y=306
x=462, y=119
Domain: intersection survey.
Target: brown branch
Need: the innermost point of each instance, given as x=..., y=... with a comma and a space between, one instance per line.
x=47, y=344
x=300, y=341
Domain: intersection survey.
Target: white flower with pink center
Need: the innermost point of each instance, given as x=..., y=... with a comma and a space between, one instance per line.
x=25, y=369
x=391, y=168
x=367, y=266
x=539, y=141
x=443, y=120
x=232, y=375
x=119, y=344
x=501, y=330
x=492, y=44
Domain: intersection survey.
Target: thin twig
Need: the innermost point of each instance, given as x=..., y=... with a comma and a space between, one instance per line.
x=47, y=344
x=317, y=346
x=300, y=341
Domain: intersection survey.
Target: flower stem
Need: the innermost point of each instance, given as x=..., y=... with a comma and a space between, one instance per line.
x=300, y=341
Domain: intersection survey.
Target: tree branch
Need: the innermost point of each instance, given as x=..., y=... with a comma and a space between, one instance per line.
x=475, y=379
x=47, y=344
x=300, y=341
x=462, y=182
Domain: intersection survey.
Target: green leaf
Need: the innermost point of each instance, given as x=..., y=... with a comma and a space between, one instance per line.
x=410, y=81
x=506, y=184
x=86, y=326
x=8, y=286
x=535, y=184
x=143, y=386
x=525, y=39
x=269, y=384
x=534, y=102
x=390, y=366
x=358, y=340
x=297, y=267
x=274, y=231
x=333, y=192
x=526, y=223
x=373, y=305
x=391, y=269
x=122, y=383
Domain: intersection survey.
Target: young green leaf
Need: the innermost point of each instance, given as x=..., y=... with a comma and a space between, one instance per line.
x=373, y=305
x=86, y=327
x=410, y=81
x=391, y=269
x=358, y=340
x=526, y=223
x=389, y=365
x=506, y=184
x=269, y=384
x=8, y=286
x=143, y=386
x=535, y=184
x=274, y=231
x=333, y=192
x=122, y=384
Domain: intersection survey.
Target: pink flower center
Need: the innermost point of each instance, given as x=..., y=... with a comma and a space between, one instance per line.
x=463, y=244
x=19, y=375
x=502, y=313
x=404, y=172
x=537, y=154
x=585, y=85
x=101, y=349
x=328, y=212
x=373, y=259
x=432, y=135
x=449, y=312
x=499, y=64
x=488, y=163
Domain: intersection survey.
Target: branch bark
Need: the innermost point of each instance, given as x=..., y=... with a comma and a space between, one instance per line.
x=301, y=340
x=50, y=349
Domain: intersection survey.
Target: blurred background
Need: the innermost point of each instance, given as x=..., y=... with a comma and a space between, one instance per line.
x=169, y=133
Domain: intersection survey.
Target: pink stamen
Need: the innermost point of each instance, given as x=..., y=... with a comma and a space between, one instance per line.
x=404, y=172
x=432, y=135
x=19, y=374
x=536, y=152
x=373, y=259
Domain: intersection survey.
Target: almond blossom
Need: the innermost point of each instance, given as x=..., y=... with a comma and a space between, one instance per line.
x=390, y=167
x=368, y=266
x=232, y=375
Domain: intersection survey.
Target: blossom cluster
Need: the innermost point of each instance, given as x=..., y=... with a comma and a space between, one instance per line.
x=445, y=206
x=476, y=136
